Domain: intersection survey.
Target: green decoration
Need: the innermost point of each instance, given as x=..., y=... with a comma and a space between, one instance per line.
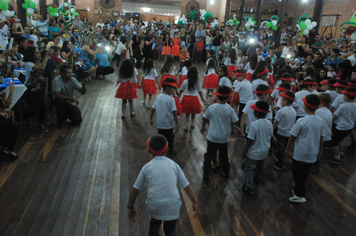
x=25, y=6
x=353, y=19
x=4, y=6
x=33, y=5
x=50, y=9
x=274, y=27
x=180, y=23
x=52, y=14
x=269, y=24
x=300, y=18
x=192, y=15
x=274, y=16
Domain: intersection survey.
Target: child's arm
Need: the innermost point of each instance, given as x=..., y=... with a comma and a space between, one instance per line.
x=275, y=124
x=321, y=148
x=157, y=81
x=203, y=129
x=247, y=147
x=180, y=92
x=201, y=96
x=192, y=197
x=176, y=120
x=233, y=99
x=334, y=116
x=243, y=122
x=151, y=117
x=131, y=212
x=289, y=145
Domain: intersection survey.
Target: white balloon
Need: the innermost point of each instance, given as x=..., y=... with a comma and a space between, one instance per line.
x=66, y=4
x=57, y=14
x=353, y=36
x=72, y=10
x=247, y=24
x=307, y=22
x=306, y=32
x=309, y=27
x=274, y=22
x=314, y=24
x=2, y=17
x=30, y=11
x=7, y=13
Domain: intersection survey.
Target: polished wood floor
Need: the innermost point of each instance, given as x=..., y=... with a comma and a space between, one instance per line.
x=76, y=181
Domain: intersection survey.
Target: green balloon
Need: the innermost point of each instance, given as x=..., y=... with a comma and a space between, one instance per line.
x=255, y=22
x=303, y=27
x=28, y=1
x=353, y=19
x=56, y=10
x=33, y=5
x=269, y=24
x=50, y=9
x=4, y=6
x=301, y=33
x=25, y=6
x=52, y=14
x=75, y=14
x=274, y=27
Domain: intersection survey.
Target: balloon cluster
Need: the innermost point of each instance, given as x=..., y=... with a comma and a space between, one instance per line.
x=215, y=23
x=182, y=21
x=201, y=15
x=305, y=26
x=351, y=29
x=273, y=23
x=233, y=21
x=250, y=23
x=30, y=6
x=192, y=15
x=6, y=9
x=53, y=12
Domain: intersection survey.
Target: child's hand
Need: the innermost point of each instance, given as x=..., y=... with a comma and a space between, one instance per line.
x=202, y=130
x=177, y=129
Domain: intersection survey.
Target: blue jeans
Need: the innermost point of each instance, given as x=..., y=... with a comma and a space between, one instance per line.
x=216, y=49
x=253, y=170
x=281, y=146
x=212, y=148
x=169, y=227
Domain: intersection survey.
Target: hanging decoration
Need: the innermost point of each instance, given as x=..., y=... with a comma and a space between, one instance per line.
x=250, y=23
x=233, y=21
x=6, y=9
x=201, y=15
x=273, y=23
x=305, y=26
x=30, y=6
x=182, y=21
x=67, y=10
x=215, y=23
x=351, y=30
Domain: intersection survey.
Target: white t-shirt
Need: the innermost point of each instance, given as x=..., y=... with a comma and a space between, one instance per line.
x=286, y=120
x=29, y=66
x=250, y=116
x=275, y=96
x=186, y=92
x=173, y=71
x=210, y=71
x=120, y=47
x=240, y=62
x=234, y=85
x=298, y=99
x=307, y=131
x=225, y=81
x=248, y=68
x=346, y=116
x=152, y=75
x=352, y=59
x=123, y=80
x=207, y=61
x=100, y=24
x=339, y=100
x=229, y=63
x=333, y=95
x=184, y=71
x=220, y=117
x=165, y=106
x=244, y=88
x=255, y=84
x=327, y=117
x=261, y=132
x=162, y=177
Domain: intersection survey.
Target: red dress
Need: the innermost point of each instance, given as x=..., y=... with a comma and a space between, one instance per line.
x=166, y=49
x=126, y=90
x=231, y=69
x=191, y=105
x=211, y=81
x=175, y=47
x=178, y=105
x=149, y=86
x=181, y=80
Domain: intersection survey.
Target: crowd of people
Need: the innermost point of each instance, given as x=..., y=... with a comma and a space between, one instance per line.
x=298, y=92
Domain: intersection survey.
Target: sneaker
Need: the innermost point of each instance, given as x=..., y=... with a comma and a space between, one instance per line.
x=42, y=128
x=247, y=191
x=277, y=167
x=297, y=199
x=314, y=170
x=9, y=156
x=335, y=161
x=328, y=148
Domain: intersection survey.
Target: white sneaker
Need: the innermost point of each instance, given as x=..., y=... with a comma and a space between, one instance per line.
x=297, y=199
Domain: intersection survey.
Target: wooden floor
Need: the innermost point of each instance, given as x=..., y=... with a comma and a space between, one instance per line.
x=76, y=181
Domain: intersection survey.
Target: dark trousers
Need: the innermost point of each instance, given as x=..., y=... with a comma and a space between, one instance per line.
x=253, y=171
x=118, y=58
x=281, y=146
x=137, y=54
x=8, y=134
x=169, y=227
x=105, y=70
x=169, y=135
x=36, y=104
x=79, y=71
x=241, y=107
x=212, y=148
x=300, y=171
x=66, y=110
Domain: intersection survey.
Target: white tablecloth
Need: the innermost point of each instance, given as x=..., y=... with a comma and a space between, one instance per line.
x=19, y=90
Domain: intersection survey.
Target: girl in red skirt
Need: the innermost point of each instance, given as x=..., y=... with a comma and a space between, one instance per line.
x=184, y=71
x=168, y=69
x=150, y=77
x=211, y=77
x=127, y=82
x=190, y=101
x=167, y=47
x=231, y=62
x=251, y=65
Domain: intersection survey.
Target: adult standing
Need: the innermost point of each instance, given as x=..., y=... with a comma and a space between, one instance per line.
x=136, y=47
x=65, y=102
x=217, y=41
x=16, y=28
x=42, y=25
x=147, y=49
x=200, y=32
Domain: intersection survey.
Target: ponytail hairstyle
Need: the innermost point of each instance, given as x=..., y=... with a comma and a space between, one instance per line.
x=187, y=63
x=253, y=60
x=225, y=71
x=168, y=64
x=148, y=67
x=268, y=60
x=212, y=53
x=261, y=66
x=126, y=70
x=193, y=78
x=232, y=55
x=211, y=64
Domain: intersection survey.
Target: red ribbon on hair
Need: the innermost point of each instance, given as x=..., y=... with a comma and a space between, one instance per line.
x=221, y=95
x=171, y=84
x=282, y=89
x=324, y=82
x=340, y=85
x=254, y=107
x=312, y=83
x=352, y=84
x=286, y=96
x=266, y=91
x=349, y=93
x=158, y=153
x=288, y=79
x=263, y=72
x=239, y=74
x=308, y=104
x=324, y=103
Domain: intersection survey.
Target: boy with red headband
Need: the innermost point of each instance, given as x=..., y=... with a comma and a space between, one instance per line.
x=219, y=116
x=244, y=89
x=307, y=89
x=275, y=96
x=162, y=177
x=262, y=76
x=284, y=122
x=344, y=120
x=258, y=145
x=340, y=86
x=166, y=112
x=307, y=134
x=331, y=90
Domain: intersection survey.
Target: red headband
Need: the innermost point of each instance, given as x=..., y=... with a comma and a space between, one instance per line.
x=324, y=103
x=312, y=83
x=349, y=93
x=282, y=89
x=288, y=79
x=221, y=94
x=324, y=82
x=352, y=84
x=239, y=74
x=160, y=152
x=254, y=107
x=286, y=96
x=263, y=72
x=340, y=85
x=308, y=104
x=266, y=91
x=173, y=84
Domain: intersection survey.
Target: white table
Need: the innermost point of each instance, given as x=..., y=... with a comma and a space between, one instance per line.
x=19, y=90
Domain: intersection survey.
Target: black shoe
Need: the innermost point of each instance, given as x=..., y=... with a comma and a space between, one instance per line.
x=335, y=161
x=247, y=191
x=9, y=156
x=42, y=128
x=314, y=170
x=277, y=167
